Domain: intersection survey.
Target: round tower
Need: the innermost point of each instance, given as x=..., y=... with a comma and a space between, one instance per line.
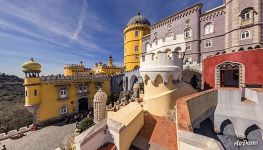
x=99, y=105
x=137, y=27
x=32, y=85
x=161, y=75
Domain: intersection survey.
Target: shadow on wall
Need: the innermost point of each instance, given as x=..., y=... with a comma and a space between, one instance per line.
x=187, y=76
x=207, y=86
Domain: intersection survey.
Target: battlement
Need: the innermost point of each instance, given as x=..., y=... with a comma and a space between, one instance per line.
x=188, y=11
x=162, y=59
x=170, y=43
x=163, y=63
x=72, y=66
x=213, y=13
x=74, y=78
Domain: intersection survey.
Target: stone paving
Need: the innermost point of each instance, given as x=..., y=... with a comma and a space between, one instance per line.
x=48, y=138
x=157, y=133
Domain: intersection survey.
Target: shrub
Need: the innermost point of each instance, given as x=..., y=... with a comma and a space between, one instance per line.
x=84, y=124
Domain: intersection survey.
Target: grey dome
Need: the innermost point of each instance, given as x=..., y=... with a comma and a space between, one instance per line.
x=138, y=19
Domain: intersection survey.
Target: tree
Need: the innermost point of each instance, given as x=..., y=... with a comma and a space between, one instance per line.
x=84, y=124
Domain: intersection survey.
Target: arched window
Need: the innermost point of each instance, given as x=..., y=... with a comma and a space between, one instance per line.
x=245, y=34
x=188, y=33
x=209, y=28
x=208, y=43
x=247, y=14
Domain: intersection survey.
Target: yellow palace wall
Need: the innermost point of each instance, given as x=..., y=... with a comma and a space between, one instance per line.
x=50, y=103
x=130, y=41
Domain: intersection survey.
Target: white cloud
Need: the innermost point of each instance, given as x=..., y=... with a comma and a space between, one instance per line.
x=80, y=22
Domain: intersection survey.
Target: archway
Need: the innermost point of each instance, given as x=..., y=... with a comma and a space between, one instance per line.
x=121, y=85
x=133, y=80
x=229, y=74
x=83, y=104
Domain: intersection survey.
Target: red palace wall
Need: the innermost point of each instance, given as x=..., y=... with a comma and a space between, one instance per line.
x=251, y=59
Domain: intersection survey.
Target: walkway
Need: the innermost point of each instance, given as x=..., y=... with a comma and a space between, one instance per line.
x=157, y=133
x=47, y=138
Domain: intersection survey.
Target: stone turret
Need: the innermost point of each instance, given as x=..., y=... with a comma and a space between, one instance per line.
x=99, y=105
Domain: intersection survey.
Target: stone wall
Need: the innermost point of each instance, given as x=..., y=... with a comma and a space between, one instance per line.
x=193, y=109
x=14, y=132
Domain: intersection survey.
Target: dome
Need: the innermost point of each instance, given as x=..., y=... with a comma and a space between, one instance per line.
x=32, y=65
x=139, y=19
x=100, y=95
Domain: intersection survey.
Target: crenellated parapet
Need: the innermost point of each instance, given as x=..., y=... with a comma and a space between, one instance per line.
x=69, y=79
x=169, y=43
x=161, y=63
x=213, y=13
x=73, y=66
x=180, y=15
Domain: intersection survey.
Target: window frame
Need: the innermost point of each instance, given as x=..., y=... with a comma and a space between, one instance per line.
x=136, y=34
x=188, y=30
x=210, y=45
x=243, y=33
x=136, y=48
x=63, y=110
x=63, y=93
x=209, y=28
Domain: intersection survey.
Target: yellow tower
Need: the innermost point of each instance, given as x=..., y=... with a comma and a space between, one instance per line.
x=32, y=85
x=137, y=27
x=110, y=61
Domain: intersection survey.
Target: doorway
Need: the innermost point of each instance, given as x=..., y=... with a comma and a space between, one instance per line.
x=229, y=78
x=83, y=104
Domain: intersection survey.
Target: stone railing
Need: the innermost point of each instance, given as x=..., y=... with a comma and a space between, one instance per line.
x=15, y=132
x=193, y=109
x=117, y=105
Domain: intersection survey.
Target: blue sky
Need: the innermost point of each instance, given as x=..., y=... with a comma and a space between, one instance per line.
x=58, y=32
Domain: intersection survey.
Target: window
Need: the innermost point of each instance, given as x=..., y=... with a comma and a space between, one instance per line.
x=155, y=41
x=35, y=92
x=246, y=14
x=136, y=57
x=136, y=49
x=187, y=22
x=83, y=89
x=63, y=110
x=209, y=28
x=188, y=33
x=26, y=92
x=98, y=85
x=63, y=93
x=208, y=43
x=188, y=47
x=245, y=34
x=136, y=33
